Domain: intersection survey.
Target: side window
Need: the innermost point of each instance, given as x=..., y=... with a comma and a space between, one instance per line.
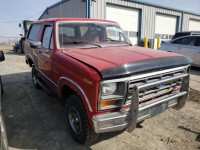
x=47, y=36
x=34, y=32
x=177, y=41
x=190, y=41
x=198, y=41
x=51, y=43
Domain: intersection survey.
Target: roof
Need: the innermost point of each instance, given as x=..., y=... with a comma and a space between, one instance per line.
x=136, y=1
x=72, y=19
x=54, y=5
x=159, y=6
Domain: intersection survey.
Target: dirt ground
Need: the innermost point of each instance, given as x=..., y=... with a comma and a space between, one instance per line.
x=36, y=121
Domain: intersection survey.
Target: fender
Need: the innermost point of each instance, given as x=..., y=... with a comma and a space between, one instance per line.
x=30, y=57
x=73, y=85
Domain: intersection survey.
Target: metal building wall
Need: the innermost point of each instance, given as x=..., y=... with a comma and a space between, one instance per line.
x=186, y=19
x=69, y=9
x=98, y=10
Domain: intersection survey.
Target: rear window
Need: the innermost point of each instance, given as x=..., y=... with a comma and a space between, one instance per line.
x=181, y=34
x=190, y=41
x=34, y=32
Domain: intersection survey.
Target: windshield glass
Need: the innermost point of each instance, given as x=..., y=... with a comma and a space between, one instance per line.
x=84, y=34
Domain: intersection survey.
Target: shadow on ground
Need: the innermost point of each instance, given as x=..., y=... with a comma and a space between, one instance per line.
x=188, y=130
x=14, y=53
x=195, y=71
x=35, y=120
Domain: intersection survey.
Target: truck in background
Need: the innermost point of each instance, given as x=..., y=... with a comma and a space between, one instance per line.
x=25, y=27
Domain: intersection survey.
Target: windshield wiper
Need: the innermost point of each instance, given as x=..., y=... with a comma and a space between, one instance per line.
x=84, y=42
x=109, y=39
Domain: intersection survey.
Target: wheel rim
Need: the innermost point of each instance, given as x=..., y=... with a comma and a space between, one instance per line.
x=34, y=76
x=74, y=119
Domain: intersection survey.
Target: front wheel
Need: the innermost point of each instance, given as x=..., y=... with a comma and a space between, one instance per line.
x=78, y=121
x=35, y=77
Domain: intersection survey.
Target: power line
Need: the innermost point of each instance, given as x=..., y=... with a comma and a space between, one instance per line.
x=22, y=19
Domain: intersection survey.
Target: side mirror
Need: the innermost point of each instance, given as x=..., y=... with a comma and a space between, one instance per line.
x=2, y=58
x=35, y=44
x=20, y=24
x=21, y=35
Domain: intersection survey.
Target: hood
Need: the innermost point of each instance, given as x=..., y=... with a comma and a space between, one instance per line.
x=109, y=60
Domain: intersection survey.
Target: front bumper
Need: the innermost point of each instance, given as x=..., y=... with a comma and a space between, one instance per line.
x=116, y=121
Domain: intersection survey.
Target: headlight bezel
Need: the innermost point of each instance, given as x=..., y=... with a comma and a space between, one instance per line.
x=119, y=97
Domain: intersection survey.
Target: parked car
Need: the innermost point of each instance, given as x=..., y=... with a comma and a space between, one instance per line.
x=185, y=33
x=3, y=135
x=108, y=84
x=187, y=45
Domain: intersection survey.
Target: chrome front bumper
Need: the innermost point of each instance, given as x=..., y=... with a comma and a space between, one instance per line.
x=116, y=121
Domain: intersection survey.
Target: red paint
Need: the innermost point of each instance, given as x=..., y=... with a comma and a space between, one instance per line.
x=57, y=64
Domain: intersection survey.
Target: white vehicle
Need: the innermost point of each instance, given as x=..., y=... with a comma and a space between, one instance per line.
x=185, y=45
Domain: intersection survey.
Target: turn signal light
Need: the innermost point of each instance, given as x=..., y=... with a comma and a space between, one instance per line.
x=107, y=103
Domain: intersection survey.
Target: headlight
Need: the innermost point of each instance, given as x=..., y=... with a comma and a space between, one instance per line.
x=109, y=88
x=111, y=95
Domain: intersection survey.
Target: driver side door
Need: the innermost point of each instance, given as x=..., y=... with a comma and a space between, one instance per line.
x=45, y=54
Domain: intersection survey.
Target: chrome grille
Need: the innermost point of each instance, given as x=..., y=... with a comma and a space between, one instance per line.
x=149, y=88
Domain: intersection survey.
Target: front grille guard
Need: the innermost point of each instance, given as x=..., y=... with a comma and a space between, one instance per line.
x=135, y=107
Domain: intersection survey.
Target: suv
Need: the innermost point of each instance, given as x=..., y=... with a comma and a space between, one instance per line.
x=185, y=33
x=108, y=84
x=3, y=135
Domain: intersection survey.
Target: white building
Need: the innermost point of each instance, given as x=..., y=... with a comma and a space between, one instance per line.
x=138, y=19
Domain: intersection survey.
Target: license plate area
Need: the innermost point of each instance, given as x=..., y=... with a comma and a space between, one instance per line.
x=157, y=110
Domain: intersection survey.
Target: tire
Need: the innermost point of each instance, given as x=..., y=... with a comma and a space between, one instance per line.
x=35, y=77
x=1, y=87
x=78, y=121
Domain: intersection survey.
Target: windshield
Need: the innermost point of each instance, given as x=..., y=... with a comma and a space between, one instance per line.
x=84, y=34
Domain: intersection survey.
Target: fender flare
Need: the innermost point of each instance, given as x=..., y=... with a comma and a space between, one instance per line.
x=76, y=88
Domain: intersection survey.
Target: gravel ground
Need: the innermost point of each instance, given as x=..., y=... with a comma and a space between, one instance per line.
x=36, y=121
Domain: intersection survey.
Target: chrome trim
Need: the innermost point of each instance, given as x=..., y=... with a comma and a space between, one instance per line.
x=116, y=121
x=146, y=75
x=82, y=91
x=100, y=97
x=143, y=86
x=34, y=53
x=141, y=76
x=31, y=58
x=167, y=99
x=46, y=77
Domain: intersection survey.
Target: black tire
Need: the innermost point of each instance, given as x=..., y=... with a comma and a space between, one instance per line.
x=1, y=87
x=83, y=134
x=35, y=77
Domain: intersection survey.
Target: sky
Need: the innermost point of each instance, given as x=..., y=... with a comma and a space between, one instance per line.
x=18, y=10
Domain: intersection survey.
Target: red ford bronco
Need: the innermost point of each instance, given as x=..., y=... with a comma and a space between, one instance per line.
x=108, y=84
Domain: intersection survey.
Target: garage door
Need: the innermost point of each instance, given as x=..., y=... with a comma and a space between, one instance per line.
x=194, y=25
x=128, y=19
x=165, y=27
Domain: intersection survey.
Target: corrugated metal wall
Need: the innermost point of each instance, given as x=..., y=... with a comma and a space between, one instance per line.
x=186, y=19
x=98, y=11
x=69, y=9
x=77, y=9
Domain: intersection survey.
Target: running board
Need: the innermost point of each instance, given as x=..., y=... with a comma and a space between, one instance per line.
x=46, y=89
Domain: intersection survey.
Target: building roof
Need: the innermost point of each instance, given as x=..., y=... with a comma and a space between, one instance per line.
x=164, y=7
x=136, y=1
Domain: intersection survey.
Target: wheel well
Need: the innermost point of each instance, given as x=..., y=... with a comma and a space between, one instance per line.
x=30, y=62
x=66, y=92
